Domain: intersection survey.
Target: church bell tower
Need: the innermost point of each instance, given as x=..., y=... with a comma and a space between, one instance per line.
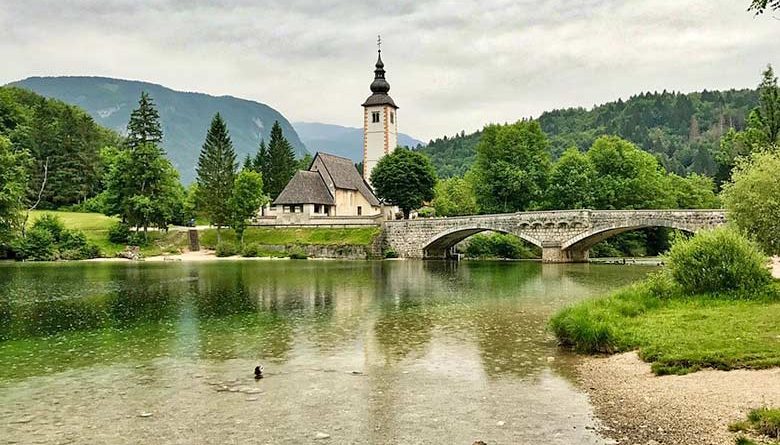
x=380, y=120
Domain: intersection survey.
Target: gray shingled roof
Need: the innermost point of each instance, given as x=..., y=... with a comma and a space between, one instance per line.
x=379, y=99
x=305, y=187
x=346, y=176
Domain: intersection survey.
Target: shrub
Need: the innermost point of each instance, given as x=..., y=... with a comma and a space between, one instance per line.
x=717, y=261
x=297, y=253
x=50, y=223
x=497, y=245
x=72, y=240
x=137, y=239
x=38, y=245
x=390, y=253
x=119, y=233
x=225, y=249
x=766, y=421
x=251, y=250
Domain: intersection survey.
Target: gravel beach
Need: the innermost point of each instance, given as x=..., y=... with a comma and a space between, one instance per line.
x=638, y=407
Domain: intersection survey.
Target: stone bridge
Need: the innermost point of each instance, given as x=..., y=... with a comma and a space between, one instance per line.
x=564, y=236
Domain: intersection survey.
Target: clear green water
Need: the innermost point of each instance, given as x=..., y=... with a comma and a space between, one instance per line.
x=365, y=352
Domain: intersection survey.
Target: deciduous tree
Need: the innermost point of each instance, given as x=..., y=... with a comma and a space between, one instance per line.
x=13, y=183
x=511, y=167
x=752, y=199
x=404, y=178
x=246, y=200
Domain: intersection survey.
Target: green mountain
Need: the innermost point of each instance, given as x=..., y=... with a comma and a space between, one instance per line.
x=682, y=130
x=185, y=116
x=341, y=141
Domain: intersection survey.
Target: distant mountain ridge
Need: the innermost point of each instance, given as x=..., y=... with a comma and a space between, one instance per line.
x=339, y=140
x=185, y=116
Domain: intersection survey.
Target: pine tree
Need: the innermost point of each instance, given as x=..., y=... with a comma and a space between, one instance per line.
x=769, y=106
x=281, y=162
x=144, y=126
x=216, y=173
x=260, y=162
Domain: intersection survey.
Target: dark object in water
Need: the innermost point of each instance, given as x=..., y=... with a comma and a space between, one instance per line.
x=258, y=372
x=479, y=442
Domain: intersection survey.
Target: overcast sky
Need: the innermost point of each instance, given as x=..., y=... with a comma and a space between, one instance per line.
x=452, y=65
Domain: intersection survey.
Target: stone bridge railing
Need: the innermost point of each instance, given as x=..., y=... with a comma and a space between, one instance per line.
x=564, y=236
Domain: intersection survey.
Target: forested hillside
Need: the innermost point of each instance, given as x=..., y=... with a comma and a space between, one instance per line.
x=682, y=130
x=63, y=141
x=184, y=116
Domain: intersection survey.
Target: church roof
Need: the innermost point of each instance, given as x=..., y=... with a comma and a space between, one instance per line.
x=306, y=187
x=379, y=87
x=345, y=176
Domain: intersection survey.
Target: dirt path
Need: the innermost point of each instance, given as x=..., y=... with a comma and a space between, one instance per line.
x=776, y=266
x=641, y=408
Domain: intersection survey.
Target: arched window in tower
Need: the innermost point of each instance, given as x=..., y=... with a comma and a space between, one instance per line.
x=375, y=117
x=392, y=117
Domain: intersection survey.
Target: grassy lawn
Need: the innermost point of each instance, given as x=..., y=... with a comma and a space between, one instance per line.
x=95, y=226
x=677, y=335
x=362, y=236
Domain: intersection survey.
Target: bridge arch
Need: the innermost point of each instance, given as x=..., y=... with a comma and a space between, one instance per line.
x=441, y=243
x=585, y=240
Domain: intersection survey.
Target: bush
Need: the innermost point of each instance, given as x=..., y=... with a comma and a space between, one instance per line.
x=38, y=245
x=390, y=253
x=50, y=223
x=251, y=250
x=225, y=249
x=137, y=239
x=297, y=253
x=119, y=233
x=716, y=261
x=498, y=245
x=766, y=421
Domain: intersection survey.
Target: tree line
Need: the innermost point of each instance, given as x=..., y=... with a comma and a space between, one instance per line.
x=53, y=155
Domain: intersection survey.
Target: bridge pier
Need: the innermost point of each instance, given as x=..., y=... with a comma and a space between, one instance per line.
x=554, y=254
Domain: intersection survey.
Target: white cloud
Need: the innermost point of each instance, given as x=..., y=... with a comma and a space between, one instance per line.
x=452, y=64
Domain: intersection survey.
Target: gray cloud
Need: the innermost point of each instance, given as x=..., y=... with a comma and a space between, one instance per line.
x=452, y=64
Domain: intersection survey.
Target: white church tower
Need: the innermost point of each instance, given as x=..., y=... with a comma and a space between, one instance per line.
x=380, y=121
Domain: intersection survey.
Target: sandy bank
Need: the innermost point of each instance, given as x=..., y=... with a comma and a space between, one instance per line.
x=639, y=408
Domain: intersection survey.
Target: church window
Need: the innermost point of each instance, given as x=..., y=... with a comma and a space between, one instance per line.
x=375, y=117
x=317, y=208
x=392, y=117
x=360, y=210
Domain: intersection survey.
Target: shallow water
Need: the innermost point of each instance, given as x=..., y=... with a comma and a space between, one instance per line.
x=364, y=352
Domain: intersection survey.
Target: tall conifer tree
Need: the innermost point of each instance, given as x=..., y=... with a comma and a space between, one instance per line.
x=216, y=173
x=144, y=126
x=281, y=162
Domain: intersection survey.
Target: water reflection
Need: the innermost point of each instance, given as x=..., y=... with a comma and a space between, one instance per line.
x=424, y=339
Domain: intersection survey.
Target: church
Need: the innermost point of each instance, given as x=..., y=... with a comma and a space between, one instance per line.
x=332, y=186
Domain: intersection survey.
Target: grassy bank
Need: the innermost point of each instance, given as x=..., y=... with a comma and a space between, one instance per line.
x=677, y=334
x=96, y=226
x=362, y=236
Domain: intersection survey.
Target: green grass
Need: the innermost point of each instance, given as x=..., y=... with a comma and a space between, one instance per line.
x=761, y=422
x=362, y=236
x=677, y=335
x=95, y=226
x=86, y=222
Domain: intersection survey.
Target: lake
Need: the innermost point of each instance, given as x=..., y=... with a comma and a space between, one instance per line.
x=385, y=352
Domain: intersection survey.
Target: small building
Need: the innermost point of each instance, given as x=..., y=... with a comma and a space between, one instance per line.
x=331, y=187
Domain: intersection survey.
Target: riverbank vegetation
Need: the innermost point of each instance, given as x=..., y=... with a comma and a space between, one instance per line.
x=714, y=306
